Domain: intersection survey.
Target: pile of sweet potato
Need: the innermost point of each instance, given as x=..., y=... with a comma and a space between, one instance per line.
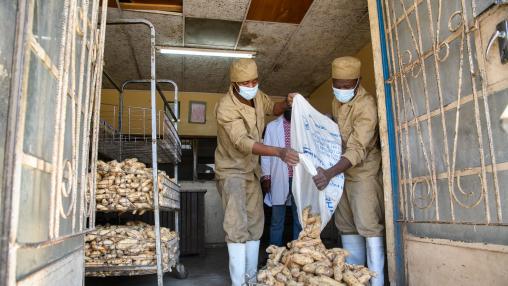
x=306, y=261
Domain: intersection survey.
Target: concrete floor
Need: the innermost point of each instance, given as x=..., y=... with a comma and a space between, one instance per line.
x=209, y=270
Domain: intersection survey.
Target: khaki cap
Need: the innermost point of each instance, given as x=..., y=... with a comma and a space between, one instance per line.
x=346, y=68
x=243, y=70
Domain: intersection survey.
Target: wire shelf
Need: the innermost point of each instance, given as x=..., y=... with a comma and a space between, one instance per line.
x=92, y=270
x=135, y=140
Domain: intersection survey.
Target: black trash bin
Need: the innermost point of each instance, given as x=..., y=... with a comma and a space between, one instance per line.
x=192, y=222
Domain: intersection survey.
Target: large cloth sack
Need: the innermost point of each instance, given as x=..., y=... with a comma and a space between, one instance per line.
x=317, y=139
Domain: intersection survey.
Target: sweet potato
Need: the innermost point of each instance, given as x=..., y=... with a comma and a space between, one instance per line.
x=301, y=259
x=308, y=262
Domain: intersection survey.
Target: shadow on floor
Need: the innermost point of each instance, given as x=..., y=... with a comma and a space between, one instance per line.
x=210, y=270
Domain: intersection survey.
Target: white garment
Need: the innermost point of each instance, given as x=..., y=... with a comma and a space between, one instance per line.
x=376, y=259
x=355, y=245
x=275, y=167
x=252, y=255
x=237, y=261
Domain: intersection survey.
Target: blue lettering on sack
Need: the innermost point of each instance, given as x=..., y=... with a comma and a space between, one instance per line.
x=333, y=134
x=306, y=124
x=329, y=204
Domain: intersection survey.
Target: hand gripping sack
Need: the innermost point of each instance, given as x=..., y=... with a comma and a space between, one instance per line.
x=317, y=139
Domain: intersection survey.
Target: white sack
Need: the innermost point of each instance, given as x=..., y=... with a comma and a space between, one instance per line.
x=318, y=140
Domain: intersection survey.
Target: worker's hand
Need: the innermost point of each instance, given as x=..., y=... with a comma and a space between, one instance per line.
x=289, y=156
x=321, y=179
x=266, y=186
x=289, y=99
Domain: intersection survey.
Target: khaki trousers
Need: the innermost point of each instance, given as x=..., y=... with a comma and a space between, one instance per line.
x=242, y=201
x=361, y=208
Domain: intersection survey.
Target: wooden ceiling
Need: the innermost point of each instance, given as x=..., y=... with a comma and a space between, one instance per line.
x=159, y=5
x=282, y=11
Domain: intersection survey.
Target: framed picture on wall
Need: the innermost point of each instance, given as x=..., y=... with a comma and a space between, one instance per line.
x=197, y=112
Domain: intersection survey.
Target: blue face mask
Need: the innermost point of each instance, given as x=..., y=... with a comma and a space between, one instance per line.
x=345, y=95
x=248, y=92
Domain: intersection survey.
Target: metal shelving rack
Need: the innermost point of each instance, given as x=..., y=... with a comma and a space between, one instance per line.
x=132, y=138
x=160, y=147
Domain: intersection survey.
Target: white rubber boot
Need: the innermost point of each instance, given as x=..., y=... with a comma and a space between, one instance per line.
x=236, y=253
x=355, y=245
x=251, y=266
x=376, y=259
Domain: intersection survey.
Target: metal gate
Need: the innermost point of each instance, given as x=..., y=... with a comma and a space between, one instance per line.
x=446, y=96
x=54, y=115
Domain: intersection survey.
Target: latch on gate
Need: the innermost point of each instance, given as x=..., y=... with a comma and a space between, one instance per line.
x=501, y=34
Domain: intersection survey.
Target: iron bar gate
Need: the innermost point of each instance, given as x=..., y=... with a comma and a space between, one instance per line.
x=450, y=148
x=54, y=139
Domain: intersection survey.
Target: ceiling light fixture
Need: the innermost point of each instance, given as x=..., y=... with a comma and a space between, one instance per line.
x=207, y=52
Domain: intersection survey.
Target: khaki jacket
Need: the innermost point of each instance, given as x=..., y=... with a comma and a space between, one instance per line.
x=358, y=125
x=239, y=126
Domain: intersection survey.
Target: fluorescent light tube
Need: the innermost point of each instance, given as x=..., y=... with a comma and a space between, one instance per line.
x=206, y=52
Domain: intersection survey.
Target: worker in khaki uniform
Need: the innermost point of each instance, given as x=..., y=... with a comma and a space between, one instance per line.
x=359, y=216
x=240, y=122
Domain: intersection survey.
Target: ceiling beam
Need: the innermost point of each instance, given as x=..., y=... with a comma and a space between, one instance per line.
x=147, y=6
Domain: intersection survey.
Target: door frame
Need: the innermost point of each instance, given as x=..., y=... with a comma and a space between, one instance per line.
x=394, y=242
x=10, y=139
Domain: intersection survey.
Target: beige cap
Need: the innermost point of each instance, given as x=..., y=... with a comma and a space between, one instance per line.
x=346, y=68
x=243, y=70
